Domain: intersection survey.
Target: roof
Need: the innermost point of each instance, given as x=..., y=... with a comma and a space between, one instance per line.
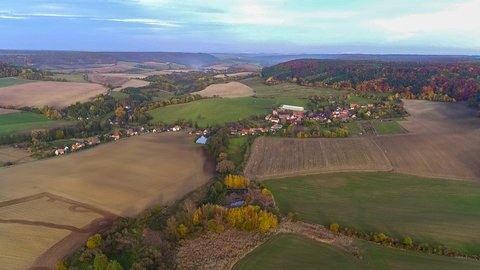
x=292, y=108
x=202, y=140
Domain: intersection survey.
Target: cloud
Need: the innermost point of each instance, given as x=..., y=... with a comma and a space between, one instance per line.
x=460, y=18
x=154, y=22
x=12, y=17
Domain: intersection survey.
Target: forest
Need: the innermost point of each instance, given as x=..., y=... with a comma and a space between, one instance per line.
x=431, y=81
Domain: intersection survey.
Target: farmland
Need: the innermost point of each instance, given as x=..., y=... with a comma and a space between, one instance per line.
x=290, y=251
x=14, y=155
x=387, y=127
x=282, y=157
x=73, y=77
x=288, y=90
x=236, y=149
x=77, y=186
x=227, y=90
x=434, y=211
x=216, y=111
x=12, y=81
x=22, y=121
x=436, y=145
x=56, y=94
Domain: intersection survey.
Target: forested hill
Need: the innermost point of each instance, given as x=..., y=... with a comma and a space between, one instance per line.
x=8, y=70
x=434, y=81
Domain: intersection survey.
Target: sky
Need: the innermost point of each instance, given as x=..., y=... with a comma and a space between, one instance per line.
x=243, y=26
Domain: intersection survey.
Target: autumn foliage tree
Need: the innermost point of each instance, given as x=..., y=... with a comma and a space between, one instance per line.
x=120, y=113
x=248, y=218
x=236, y=181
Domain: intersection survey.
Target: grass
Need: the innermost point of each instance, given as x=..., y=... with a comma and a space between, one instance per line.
x=361, y=100
x=433, y=211
x=117, y=95
x=20, y=121
x=12, y=81
x=236, y=150
x=217, y=111
x=353, y=127
x=75, y=77
x=290, y=251
x=388, y=127
x=288, y=90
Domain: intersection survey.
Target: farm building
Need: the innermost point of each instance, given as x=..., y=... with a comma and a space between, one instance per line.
x=292, y=108
x=201, y=140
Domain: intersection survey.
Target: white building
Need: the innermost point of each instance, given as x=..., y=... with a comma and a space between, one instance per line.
x=292, y=108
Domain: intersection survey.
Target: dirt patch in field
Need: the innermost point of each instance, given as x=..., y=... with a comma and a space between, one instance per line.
x=227, y=90
x=121, y=178
x=8, y=111
x=14, y=155
x=56, y=94
x=107, y=80
x=284, y=157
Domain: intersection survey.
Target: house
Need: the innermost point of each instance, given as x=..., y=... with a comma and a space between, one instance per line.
x=274, y=120
x=132, y=132
x=59, y=152
x=233, y=132
x=276, y=127
x=353, y=106
x=370, y=105
x=298, y=115
x=245, y=131
x=115, y=136
x=201, y=140
x=292, y=108
x=268, y=117
x=154, y=130
x=175, y=128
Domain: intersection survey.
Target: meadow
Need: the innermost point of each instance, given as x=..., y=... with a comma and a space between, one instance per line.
x=73, y=77
x=288, y=90
x=290, y=251
x=388, y=127
x=434, y=211
x=217, y=111
x=21, y=121
x=12, y=81
x=236, y=149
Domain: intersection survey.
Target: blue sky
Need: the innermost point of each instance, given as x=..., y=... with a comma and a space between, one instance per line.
x=268, y=26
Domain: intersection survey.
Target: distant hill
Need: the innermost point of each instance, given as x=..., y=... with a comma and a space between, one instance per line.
x=433, y=81
x=79, y=59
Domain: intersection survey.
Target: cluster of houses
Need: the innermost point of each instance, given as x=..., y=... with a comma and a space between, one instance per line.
x=76, y=146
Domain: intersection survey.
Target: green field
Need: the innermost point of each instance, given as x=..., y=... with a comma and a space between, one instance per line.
x=290, y=251
x=388, y=127
x=288, y=90
x=12, y=81
x=217, y=111
x=75, y=77
x=361, y=100
x=236, y=149
x=14, y=122
x=119, y=95
x=353, y=128
x=433, y=211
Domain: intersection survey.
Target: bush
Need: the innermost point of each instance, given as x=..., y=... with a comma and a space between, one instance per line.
x=266, y=192
x=100, y=262
x=379, y=237
x=334, y=227
x=94, y=241
x=61, y=265
x=212, y=225
x=182, y=230
x=114, y=265
x=220, y=228
x=293, y=217
x=408, y=241
x=225, y=166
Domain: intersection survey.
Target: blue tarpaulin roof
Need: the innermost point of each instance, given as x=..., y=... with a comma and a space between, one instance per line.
x=202, y=140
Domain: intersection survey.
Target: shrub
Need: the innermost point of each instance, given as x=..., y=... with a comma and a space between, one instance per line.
x=293, y=217
x=94, y=241
x=100, y=262
x=114, y=265
x=212, y=225
x=236, y=181
x=379, y=237
x=220, y=228
x=266, y=192
x=225, y=166
x=182, y=230
x=61, y=265
x=334, y=227
x=408, y=241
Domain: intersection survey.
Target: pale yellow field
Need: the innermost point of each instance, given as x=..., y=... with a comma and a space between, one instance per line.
x=227, y=90
x=7, y=111
x=121, y=178
x=56, y=94
x=14, y=155
x=238, y=74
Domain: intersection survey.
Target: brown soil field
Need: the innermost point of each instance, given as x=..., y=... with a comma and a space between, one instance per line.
x=443, y=141
x=284, y=157
x=14, y=155
x=56, y=94
x=227, y=90
x=135, y=83
x=107, y=80
x=81, y=193
x=8, y=111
